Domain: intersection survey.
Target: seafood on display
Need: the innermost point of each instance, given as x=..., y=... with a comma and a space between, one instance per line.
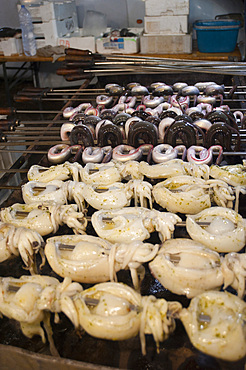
x=234, y=175
x=188, y=267
x=165, y=152
x=225, y=231
x=190, y=195
x=111, y=196
x=124, y=153
x=174, y=167
x=118, y=194
x=62, y=152
x=30, y=298
x=205, y=155
x=61, y=172
x=182, y=194
x=21, y=241
x=223, y=336
x=122, y=313
x=89, y=259
x=55, y=191
x=108, y=173
x=133, y=223
x=44, y=217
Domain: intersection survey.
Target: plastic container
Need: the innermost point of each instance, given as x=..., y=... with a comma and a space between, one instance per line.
x=217, y=36
x=28, y=38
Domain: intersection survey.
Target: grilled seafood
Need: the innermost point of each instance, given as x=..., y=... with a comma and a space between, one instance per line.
x=187, y=194
x=29, y=299
x=109, y=134
x=124, y=153
x=225, y=232
x=59, y=153
x=163, y=125
x=108, y=173
x=232, y=174
x=206, y=155
x=96, y=154
x=151, y=101
x=118, y=194
x=115, y=318
x=66, y=128
x=54, y=191
x=165, y=152
x=133, y=223
x=187, y=267
x=221, y=133
x=142, y=131
x=182, y=129
x=81, y=134
x=224, y=335
x=89, y=259
x=61, y=172
x=184, y=194
x=103, y=173
x=45, y=218
x=20, y=241
x=174, y=167
x=68, y=112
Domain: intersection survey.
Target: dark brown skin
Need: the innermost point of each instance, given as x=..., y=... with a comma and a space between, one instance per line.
x=183, y=130
x=142, y=131
x=108, y=114
x=81, y=134
x=221, y=133
x=109, y=134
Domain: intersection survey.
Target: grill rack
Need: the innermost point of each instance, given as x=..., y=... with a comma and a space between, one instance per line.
x=175, y=353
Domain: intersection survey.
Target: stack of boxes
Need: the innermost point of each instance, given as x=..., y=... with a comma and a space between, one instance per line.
x=52, y=20
x=166, y=27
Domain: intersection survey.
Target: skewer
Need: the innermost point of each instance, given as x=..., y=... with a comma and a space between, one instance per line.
x=10, y=110
x=91, y=171
x=23, y=214
x=94, y=302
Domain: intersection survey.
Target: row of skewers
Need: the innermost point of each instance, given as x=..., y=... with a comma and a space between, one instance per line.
x=90, y=259
x=195, y=267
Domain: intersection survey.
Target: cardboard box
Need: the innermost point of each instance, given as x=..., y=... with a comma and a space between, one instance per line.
x=166, y=44
x=166, y=7
x=166, y=24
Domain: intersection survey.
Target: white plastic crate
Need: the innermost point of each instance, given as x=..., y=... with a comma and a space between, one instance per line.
x=11, y=45
x=78, y=41
x=166, y=7
x=49, y=10
x=47, y=33
x=54, y=29
x=166, y=24
x=166, y=44
x=119, y=45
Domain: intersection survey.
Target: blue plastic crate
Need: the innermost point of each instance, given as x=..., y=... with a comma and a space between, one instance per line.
x=217, y=36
